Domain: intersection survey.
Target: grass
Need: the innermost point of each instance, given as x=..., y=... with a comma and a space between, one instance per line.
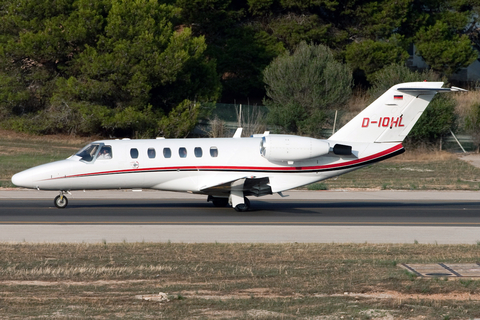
x=232, y=281
x=317, y=186
x=21, y=151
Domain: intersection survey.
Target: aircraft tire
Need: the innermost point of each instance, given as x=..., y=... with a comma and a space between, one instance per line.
x=60, y=202
x=241, y=207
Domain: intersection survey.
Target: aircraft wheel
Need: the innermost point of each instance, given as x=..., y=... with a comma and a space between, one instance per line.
x=220, y=202
x=60, y=202
x=241, y=207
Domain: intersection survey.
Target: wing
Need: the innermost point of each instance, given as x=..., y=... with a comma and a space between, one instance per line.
x=250, y=186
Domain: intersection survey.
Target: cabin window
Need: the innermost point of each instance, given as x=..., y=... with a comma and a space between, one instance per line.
x=134, y=153
x=167, y=153
x=198, y=152
x=105, y=153
x=151, y=153
x=214, y=152
x=182, y=152
x=88, y=153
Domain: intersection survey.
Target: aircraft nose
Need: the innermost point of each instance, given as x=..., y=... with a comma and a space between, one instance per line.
x=22, y=179
x=38, y=177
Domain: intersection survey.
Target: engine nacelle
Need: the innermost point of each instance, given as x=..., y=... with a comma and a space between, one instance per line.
x=292, y=148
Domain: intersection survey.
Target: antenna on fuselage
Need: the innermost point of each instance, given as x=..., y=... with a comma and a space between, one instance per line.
x=238, y=133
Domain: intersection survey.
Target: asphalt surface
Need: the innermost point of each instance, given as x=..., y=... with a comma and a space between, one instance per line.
x=328, y=216
x=266, y=212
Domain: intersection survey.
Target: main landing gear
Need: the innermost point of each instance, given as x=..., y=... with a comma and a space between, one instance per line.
x=61, y=200
x=223, y=202
x=237, y=196
x=243, y=207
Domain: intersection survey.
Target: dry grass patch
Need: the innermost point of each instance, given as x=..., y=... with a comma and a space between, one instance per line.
x=464, y=102
x=358, y=101
x=59, y=138
x=235, y=281
x=467, y=112
x=423, y=154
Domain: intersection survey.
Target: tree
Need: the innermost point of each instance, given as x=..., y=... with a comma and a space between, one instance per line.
x=244, y=36
x=374, y=20
x=292, y=28
x=114, y=67
x=443, y=50
x=371, y=56
x=302, y=86
x=240, y=46
x=65, y=63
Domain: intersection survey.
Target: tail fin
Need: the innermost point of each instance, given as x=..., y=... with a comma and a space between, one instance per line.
x=391, y=117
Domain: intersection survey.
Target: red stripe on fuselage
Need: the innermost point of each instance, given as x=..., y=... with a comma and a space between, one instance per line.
x=337, y=166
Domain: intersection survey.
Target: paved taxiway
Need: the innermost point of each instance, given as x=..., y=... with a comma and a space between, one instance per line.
x=304, y=216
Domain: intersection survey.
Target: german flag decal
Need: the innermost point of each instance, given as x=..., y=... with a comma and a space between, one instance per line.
x=398, y=97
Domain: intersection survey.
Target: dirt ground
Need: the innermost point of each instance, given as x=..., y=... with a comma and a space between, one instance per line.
x=472, y=158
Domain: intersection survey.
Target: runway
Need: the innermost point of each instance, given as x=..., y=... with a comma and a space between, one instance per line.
x=334, y=216
x=264, y=212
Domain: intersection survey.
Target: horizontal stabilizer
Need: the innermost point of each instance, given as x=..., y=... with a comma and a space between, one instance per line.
x=427, y=90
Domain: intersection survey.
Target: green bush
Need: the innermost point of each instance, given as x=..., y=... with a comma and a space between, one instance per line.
x=302, y=86
x=436, y=121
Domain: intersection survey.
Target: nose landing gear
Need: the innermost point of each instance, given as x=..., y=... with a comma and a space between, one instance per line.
x=61, y=201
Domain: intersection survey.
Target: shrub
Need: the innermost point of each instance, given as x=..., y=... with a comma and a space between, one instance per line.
x=302, y=86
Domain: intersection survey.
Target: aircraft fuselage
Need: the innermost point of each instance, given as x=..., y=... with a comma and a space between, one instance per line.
x=160, y=164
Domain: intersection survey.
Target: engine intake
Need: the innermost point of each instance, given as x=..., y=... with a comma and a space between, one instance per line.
x=292, y=148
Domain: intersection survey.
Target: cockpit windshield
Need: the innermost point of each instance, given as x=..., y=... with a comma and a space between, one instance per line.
x=88, y=153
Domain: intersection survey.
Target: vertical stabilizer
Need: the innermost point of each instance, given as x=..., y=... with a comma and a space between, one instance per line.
x=391, y=117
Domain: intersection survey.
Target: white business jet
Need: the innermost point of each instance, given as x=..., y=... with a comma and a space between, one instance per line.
x=227, y=170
